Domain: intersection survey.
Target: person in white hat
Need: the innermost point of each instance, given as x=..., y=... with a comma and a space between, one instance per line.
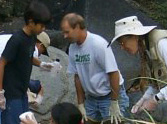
x=43, y=42
x=98, y=80
x=35, y=91
x=136, y=38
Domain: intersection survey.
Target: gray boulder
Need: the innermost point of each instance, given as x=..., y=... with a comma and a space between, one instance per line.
x=57, y=87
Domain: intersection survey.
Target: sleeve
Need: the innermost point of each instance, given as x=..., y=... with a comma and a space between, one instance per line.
x=35, y=54
x=71, y=65
x=162, y=49
x=105, y=58
x=162, y=95
x=149, y=92
x=11, y=49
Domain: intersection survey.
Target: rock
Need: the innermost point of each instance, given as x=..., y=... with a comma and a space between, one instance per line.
x=57, y=88
x=57, y=40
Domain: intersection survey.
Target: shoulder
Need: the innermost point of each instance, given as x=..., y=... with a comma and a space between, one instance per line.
x=98, y=41
x=72, y=48
x=162, y=43
x=16, y=37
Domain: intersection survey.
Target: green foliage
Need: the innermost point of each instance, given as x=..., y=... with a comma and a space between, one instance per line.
x=156, y=9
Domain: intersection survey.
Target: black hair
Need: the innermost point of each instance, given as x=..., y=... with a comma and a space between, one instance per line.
x=38, y=12
x=66, y=113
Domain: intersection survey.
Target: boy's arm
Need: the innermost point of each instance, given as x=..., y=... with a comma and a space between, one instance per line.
x=46, y=66
x=3, y=62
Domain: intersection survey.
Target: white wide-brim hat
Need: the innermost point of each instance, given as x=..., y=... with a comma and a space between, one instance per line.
x=130, y=26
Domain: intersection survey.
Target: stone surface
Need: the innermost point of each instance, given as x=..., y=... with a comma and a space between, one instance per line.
x=57, y=87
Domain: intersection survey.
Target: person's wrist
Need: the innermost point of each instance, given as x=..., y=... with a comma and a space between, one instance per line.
x=2, y=91
x=41, y=64
x=114, y=101
x=81, y=105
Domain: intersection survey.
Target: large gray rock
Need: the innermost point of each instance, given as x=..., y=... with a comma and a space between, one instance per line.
x=57, y=87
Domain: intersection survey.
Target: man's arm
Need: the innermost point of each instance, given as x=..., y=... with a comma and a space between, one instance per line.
x=3, y=62
x=2, y=67
x=80, y=96
x=114, y=83
x=114, y=107
x=79, y=89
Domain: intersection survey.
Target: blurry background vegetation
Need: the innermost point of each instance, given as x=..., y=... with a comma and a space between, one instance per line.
x=156, y=9
x=10, y=9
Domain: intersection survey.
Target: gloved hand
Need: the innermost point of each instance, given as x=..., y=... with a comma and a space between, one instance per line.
x=31, y=96
x=83, y=111
x=56, y=69
x=46, y=66
x=115, y=112
x=39, y=99
x=34, y=99
x=29, y=120
x=150, y=104
x=2, y=100
x=147, y=95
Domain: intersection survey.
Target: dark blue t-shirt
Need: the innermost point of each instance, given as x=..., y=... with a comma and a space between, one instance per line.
x=18, y=53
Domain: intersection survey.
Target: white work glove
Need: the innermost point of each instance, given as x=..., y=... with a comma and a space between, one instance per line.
x=29, y=120
x=115, y=112
x=57, y=67
x=39, y=99
x=83, y=111
x=31, y=96
x=46, y=66
x=151, y=103
x=34, y=99
x=2, y=100
x=162, y=95
x=150, y=92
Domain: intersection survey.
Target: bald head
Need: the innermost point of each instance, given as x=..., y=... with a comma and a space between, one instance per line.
x=74, y=19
